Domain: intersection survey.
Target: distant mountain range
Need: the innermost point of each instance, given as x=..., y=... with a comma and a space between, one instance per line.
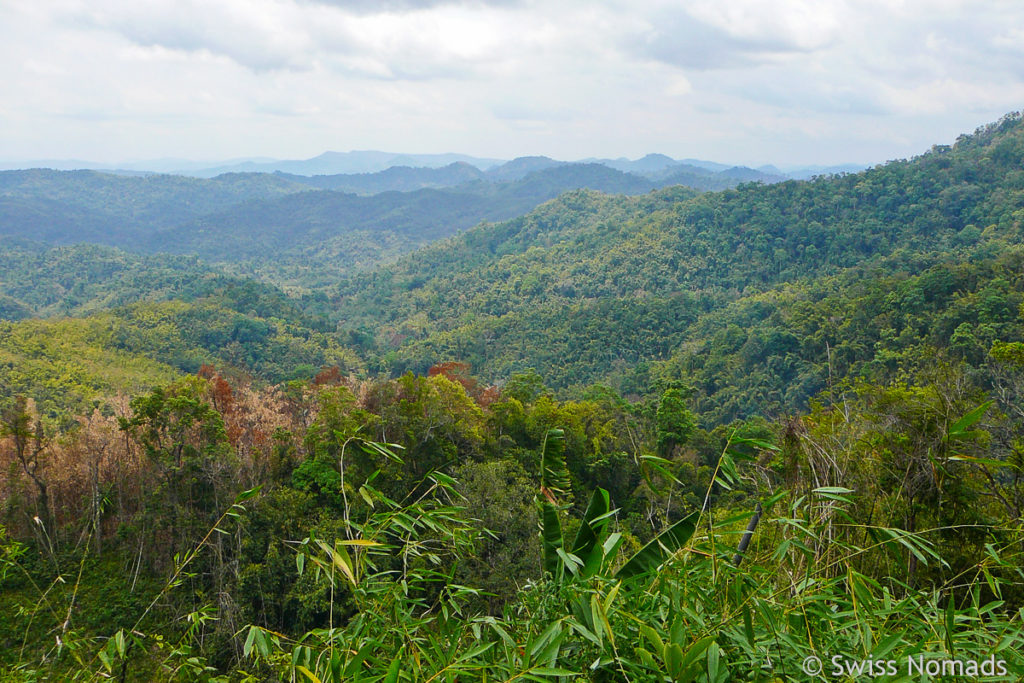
x=304, y=228
x=369, y=161
x=341, y=220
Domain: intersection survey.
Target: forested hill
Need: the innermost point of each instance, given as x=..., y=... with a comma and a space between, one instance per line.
x=625, y=177
x=66, y=207
x=335, y=232
x=590, y=287
x=116, y=323
x=301, y=230
x=37, y=281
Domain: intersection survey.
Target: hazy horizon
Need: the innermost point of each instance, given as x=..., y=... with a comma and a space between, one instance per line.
x=203, y=164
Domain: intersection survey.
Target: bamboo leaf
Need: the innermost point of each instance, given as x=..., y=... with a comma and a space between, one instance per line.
x=960, y=427
x=361, y=542
x=551, y=671
x=674, y=660
x=696, y=650
x=476, y=651
x=835, y=490
x=246, y=495
x=366, y=496
x=308, y=674
x=339, y=556
x=249, y=639
x=654, y=639
x=392, y=675
x=748, y=626
x=950, y=625
x=980, y=461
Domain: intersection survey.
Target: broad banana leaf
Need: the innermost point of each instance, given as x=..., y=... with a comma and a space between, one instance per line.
x=654, y=554
x=551, y=537
x=592, y=532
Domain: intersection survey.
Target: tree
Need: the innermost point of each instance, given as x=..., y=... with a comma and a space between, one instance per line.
x=674, y=421
x=185, y=438
x=29, y=446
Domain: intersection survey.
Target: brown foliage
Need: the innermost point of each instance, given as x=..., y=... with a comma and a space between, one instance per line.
x=459, y=372
x=328, y=376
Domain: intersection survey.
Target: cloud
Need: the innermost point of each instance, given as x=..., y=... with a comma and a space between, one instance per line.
x=400, y=39
x=516, y=110
x=802, y=81
x=390, y=6
x=714, y=35
x=258, y=34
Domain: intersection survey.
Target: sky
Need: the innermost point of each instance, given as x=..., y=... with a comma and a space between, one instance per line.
x=788, y=82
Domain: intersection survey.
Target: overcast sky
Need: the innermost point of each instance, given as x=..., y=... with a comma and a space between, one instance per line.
x=738, y=81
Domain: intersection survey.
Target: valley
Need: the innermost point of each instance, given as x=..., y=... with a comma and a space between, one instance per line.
x=285, y=426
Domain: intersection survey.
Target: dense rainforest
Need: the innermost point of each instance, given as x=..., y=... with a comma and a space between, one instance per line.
x=767, y=433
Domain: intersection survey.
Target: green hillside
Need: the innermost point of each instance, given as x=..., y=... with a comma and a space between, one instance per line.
x=69, y=366
x=242, y=327
x=81, y=279
x=590, y=287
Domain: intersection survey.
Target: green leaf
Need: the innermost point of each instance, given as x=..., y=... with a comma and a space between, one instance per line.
x=833, y=489
x=361, y=543
x=548, y=641
x=551, y=671
x=476, y=651
x=308, y=674
x=249, y=639
x=748, y=626
x=714, y=654
x=366, y=496
x=654, y=639
x=654, y=554
x=341, y=560
x=554, y=475
x=610, y=598
x=837, y=493
x=674, y=661
x=246, y=495
x=980, y=461
x=950, y=625
x=385, y=450
x=396, y=664
x=591, y=533
x=570, y=562
x=551, y=537
x=775, y=498
x=959, y=428
x=647, y=658
x=611, y=545
x=356, y=662
x=696, y=650
x=660, y=465
x=753, y=443
x=886, y=645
